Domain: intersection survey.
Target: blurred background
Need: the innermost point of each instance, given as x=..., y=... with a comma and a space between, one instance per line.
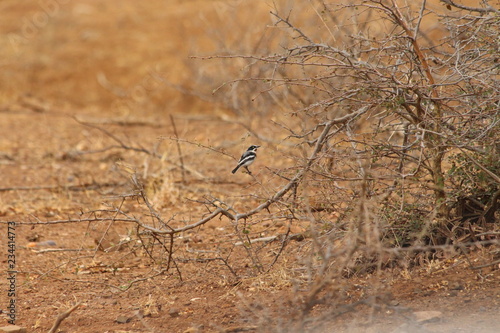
x=118, y=57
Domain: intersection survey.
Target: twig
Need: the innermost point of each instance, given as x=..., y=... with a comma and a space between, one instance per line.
x=487, y=9
x=108, y=285
x=425, y=248
x=60, y=250
x=181, y=160
x=283, y=245
x=240, y=329
x=291, y=26
x=202, y=146
x=480, y=166
x=485, y=265
x=115, y=138
x=93, y=219
x=63, y=316
x=257, y=240
x=172, y=231
x=398, y=16
x=99, y=244
x=80, y=187
x=122, y=145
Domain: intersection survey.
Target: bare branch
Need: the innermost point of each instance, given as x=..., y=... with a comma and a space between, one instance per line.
x=63, y=316
x=487, y=9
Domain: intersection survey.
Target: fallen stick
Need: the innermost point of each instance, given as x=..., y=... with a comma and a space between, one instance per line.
x=63, y=316
x=297, y=237
x=257, y=240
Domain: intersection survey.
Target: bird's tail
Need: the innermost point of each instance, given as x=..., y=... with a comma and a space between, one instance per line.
x=235, y=169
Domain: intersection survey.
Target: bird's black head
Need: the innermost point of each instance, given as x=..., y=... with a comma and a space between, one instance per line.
x=252, y=147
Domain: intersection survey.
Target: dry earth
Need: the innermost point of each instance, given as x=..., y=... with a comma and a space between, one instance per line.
x=116, y=65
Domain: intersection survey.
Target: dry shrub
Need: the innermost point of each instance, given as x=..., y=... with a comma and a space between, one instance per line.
x=388, y=109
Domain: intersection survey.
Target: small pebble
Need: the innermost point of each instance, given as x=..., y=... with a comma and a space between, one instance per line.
x=122, y=319
x=173, y=312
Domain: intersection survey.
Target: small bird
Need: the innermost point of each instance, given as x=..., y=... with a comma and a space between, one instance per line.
x=247, y=158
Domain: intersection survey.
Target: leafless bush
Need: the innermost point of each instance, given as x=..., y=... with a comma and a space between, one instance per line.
x=415, y=160
x=429, y=96
x=391, y=119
